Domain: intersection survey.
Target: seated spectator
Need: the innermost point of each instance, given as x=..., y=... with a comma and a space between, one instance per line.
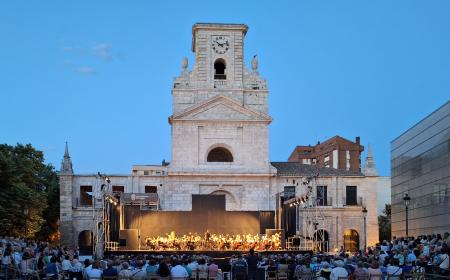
x=239, y=268
x=213, y=269
x=178, y=271
x=202, y=269
x=325, y=271
x=139, y=273
x=94, y=272
x=87, y=267
x=443, y=261
x=110, y=270
x=66, y=265
x=360, y=272
x=125, y=272
x=302, y=268
x=283, y=266
x=393, y=268
x=185, y=264
x=338, y=271
x=163, y=270
x=193, y=265
x=51, y=270
x=77, y=269
x=152, y=267
x=272, y=266
x=374, y=271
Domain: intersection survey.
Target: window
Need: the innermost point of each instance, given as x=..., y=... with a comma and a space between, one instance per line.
x=219, y=69
x=86, y=195
x=118, y=189
x=326, y=161
x=289, y=192
x=322, y=196
x=350, y=194
x=146, y=173
x=220, y=154
x=347, y=160
x=151, y=189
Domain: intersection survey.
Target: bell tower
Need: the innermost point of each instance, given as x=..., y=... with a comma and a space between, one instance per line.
x=218, y=52
x=219, y=121
x=219, y=69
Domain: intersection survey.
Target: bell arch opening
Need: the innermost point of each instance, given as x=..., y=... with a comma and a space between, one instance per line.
x=219, y=69
x=219, y=154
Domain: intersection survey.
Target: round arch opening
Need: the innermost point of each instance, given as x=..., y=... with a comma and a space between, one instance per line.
x=85, y=241
x=219, y=69
x=351, y=240
x=219, y=154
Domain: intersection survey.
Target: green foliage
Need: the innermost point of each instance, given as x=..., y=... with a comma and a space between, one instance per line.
x=29, y=192
x=384, y=223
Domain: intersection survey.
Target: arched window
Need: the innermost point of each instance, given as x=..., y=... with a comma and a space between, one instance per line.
x=219, y=69
x=351, y=240
x=220, y=154
x=85, y=241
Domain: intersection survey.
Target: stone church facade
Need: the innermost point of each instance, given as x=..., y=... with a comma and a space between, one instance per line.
x=220, y=134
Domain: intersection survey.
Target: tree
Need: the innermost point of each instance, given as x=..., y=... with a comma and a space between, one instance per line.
x=384, y=223
x=29, y=192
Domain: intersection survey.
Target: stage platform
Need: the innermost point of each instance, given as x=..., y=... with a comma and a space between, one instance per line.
x=216, y=254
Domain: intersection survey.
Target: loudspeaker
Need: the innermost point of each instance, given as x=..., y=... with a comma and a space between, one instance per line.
x=130, y=236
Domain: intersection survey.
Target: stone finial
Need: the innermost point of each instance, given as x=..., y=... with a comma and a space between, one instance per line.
x=370, y=168
x=66, y=164
x=184, y=64
x=255, y=63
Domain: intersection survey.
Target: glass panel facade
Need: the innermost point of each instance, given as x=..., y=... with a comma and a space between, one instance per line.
x=420, y=166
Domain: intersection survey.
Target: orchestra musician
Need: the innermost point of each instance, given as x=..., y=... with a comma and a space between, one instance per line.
x=212, y=241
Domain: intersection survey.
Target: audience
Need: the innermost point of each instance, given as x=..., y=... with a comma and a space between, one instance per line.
x=424, y=254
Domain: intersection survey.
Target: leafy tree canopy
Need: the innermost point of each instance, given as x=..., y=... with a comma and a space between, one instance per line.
x=29, y=193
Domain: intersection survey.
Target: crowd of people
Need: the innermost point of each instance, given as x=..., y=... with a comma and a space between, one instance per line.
x=31, y=259
x=213, y=242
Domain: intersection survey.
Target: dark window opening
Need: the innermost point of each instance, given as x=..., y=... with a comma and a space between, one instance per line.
x=151, y=189
x=220, y=155
x=86, y=195
x=219, y=70
x=350, y=194
x=322, y=196
x=289, y=192
x=118, y=189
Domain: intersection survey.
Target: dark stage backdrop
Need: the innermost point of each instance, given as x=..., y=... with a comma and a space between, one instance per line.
x=208, y=213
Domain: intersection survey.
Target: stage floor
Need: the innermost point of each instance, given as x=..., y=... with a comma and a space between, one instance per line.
x=210, y=253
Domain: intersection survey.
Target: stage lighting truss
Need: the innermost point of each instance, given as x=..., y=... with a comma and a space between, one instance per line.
x=311, y=223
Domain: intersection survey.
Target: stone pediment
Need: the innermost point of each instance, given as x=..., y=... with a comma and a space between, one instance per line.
x=220, y=108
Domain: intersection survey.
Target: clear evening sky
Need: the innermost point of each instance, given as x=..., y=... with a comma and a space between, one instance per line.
x=99, y=73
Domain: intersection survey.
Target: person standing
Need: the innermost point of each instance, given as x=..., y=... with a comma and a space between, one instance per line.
x=252, y=265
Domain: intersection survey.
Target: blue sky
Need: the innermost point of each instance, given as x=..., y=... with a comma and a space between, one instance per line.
x=99, y=73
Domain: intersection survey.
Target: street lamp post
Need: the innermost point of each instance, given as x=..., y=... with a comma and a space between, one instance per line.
x=406, y=199
x=364, y=211
x=25, y=212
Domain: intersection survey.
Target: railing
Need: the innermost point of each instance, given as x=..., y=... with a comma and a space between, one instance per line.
x=111, y=246
x=220, y=83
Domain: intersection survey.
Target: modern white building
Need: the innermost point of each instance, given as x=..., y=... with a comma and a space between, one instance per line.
x=220, y=133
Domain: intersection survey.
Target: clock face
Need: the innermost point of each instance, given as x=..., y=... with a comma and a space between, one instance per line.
x=220, y=44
